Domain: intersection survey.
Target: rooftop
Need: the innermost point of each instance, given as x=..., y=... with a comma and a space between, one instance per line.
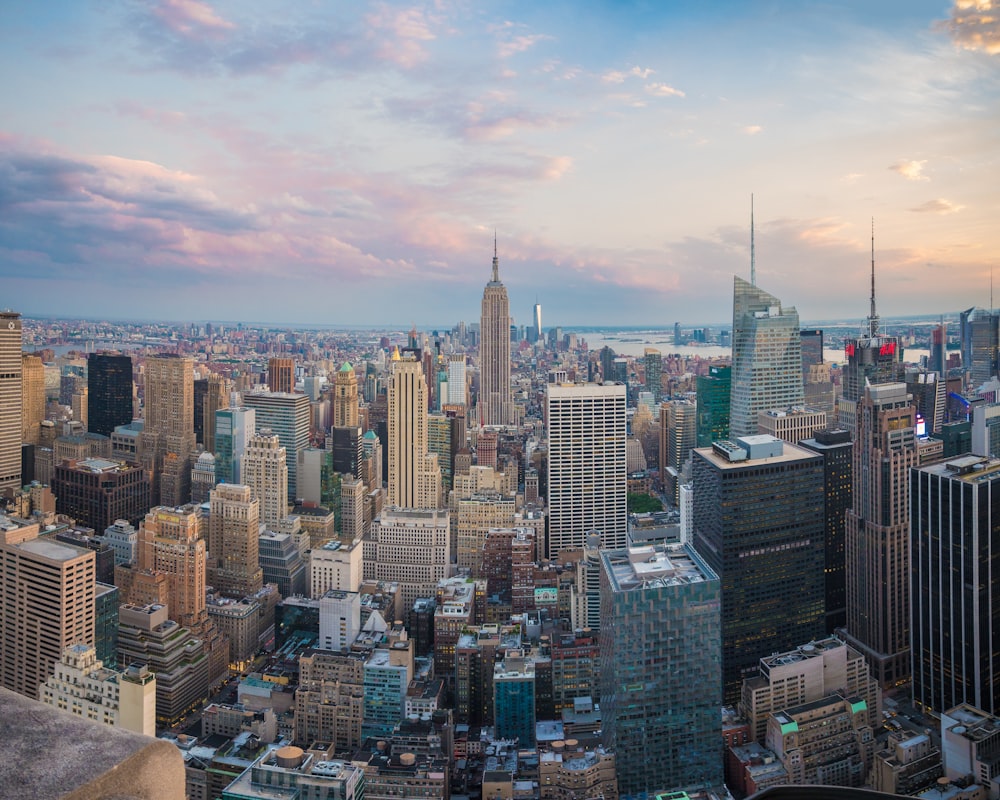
x=655, y=566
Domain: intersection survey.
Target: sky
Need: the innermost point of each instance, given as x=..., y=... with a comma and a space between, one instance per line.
x=350, y=163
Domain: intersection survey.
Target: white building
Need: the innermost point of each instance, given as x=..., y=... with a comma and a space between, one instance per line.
x=123, y=539
x=339, y=619
x=587, y=482
x=83, y=686
x=335, y=565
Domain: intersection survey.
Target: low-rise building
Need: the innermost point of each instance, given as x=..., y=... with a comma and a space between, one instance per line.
x=565, y=774
x=291, y=773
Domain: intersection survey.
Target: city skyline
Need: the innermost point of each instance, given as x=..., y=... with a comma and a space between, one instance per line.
x=194, y=160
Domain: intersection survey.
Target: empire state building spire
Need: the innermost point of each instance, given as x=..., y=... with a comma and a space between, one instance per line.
x=494, y=351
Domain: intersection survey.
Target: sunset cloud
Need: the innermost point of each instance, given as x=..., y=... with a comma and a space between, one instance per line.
x=975, y=25
x=911, y=170
x=939, y=206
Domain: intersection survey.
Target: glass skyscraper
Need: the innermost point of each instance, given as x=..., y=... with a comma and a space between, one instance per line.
x=767, y=357
x=109, y=388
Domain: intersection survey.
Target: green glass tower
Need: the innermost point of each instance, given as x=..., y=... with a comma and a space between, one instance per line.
x=713, y=405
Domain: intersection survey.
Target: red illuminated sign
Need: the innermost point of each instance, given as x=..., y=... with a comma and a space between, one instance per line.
x=849, y=349
x=887, y=349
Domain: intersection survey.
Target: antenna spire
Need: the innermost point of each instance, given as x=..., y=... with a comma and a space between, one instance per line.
x=496, y=261
x=753, y=255
x=873, y=317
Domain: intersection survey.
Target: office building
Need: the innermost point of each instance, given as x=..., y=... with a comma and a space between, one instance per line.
x=170, y=542
x=414, y=476
x=807, y=673
x=48, y=602
x=329, y=703
x=123, y=539
x=837, y=450
x=758, y=522
x=265, y=471
x=286, y=416
x=281, y=375
x=97, y=491
x=202, y=478
x=234, y=427
x=877, y=532
x=791, y=424
x=169, y=427
x=292, y=773
x=514, y=698
x=713, y=392
x=767, y=357
x=812, y=350
x=346, y=451
x=339, y=619
x=409, y=547
x=537, y=320
x=282, y=562
x=32, y=398
x=660, y=702
x=110, y=390
x=10, y=400
x=233, y=532
x=985, y=434
x=954, y=538
x=980, y=337
x=216, y=396
x=335, y=565
x=83, y=686
x=587, y=479
x=345, y=397
x=495, y=402
x=170, y=652
x=678, y=437
x=458, y=391
x=969, y=746
x=652, y=361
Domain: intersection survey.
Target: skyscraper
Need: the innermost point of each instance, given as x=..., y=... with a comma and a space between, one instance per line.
x=587, y=481
x=873, y=358
x=10, y=400
x=877, y=532
x=494, y=353
x=46, y=603
x=713, y=405
x=537, y=321
x=109, y=384
x=287, y=416
x=412, y=468
x=758, y=522
x=281, y=374
x=32, y=398
x=955, y=537
x=457, y=389
x=345, y=397
x=170, y=542
x=234, y=427
x=812, y=349
x=767, y=357
x=660, y=699
x=169, y=426
x=233, y=531
x=216, y=396
x=653, y=362
x=265, y=471
x=980, y=334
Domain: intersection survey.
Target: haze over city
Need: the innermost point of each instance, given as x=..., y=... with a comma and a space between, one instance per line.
x=349, y=163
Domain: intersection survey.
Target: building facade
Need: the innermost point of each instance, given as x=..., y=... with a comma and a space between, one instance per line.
x=495, y=403
x=110, y=390
x=10, y=400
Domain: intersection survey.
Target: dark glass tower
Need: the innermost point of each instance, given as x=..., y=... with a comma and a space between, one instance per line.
x=713, y=405
x=758, y=521
x=109, y=385
x=955, y=584
x=838, y=452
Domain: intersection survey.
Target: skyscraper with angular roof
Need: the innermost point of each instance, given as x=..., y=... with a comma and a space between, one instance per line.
x=494, y=353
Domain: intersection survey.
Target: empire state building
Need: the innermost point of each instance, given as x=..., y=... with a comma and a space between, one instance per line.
x=494, y=353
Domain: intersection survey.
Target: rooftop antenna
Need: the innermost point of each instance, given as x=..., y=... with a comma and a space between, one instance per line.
x=496, y=261
x=753, y=258
x=873, y=317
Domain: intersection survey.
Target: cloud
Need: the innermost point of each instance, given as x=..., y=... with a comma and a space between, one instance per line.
x=519, y=44
x=852, y=177
x=938, y=206
x=911, y=170
x=401, y=34
x=975, y=25
x=663, y=90
x=752, y=130
x=616, y=76
x=190, y=18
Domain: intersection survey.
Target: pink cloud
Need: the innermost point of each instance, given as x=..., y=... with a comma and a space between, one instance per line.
x=191, y=18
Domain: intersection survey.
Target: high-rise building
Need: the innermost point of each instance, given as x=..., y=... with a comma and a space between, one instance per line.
x=414, y=476
x=458, y=391
x=812, y=349
x=287, y=416
x=660, y=697
x=281, y=375
x=495, y=403
x=168, y=427
x=791, y=424
x=767, y=357
x=82, y=685
x=838, y=482
x=32, y=398
x=653, y=366
x=877, y=532
x=758, y=522
x=96, y=491
x=938, y=361
x=109, y=384
x=873, y=358
x=265, y=472
x=713, y=405
x=233, y=531
x=955, y=536
x=46, y=603
x=678, y=436
x=587, y=481
x=234, y=427
x=980, y=335
x=536, y=318
x=514, y=698
x=345, y=397
x=10, y=400
x=170, y=542
x=216, y=397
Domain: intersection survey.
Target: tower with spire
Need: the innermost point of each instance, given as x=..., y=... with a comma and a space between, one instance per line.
x=872, y=358
x=495, y=405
